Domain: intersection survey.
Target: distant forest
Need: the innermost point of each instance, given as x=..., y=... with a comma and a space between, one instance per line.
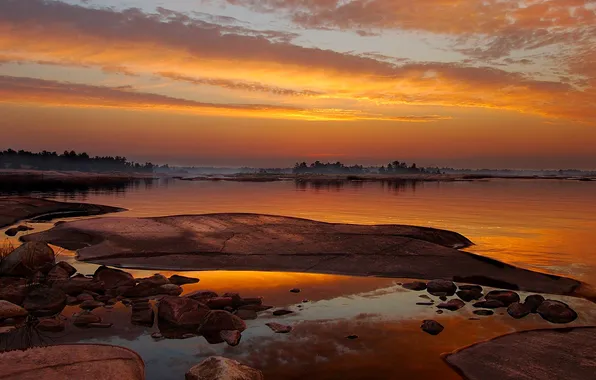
x=11, y=159
x=394, y=167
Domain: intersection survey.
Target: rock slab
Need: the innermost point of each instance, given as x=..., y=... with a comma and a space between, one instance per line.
x=220, y=368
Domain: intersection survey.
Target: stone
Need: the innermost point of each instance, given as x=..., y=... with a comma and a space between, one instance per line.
x=279, y=328
x=201, y=295
x=70, y=300
x=10, y=310
x=99, y=325
x=155, y=280
x=15, y=230
x=219, y=302
x=280, y=312
x=113, y=278
x=489, y=304
x=295, y=290
x=7, y=329
x=483, y=312
x=443, y=298
x=556, y=312
x=67, y=267
x=432, y=327
x=246, y=314
x=50, y=325
x=218, y=320
x=507, y=297
x=424, y=296
x=246, y=301
x=533, y=302
x=439, y=311
x=231, y=337
x=57, y=273
x=352, y=337
x=469, y=295
x=182, y=311
x=142, y=313
x=27, y=259
x=435, y=287
x=79, y=284
x=518, y=310
x=425, y=303
x=182, y=280
x=219, y=368
x=256, y=308
x=475, y=288
x=45, y=301
x=453, y=304
x=416, y=285
x=85, y=318
x=90, y=304
x=157, y=336
x=148, y=289
x=13, y=289
x=84, y=297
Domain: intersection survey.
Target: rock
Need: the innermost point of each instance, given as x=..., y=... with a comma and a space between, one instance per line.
x=45, y=301
x=425, y=303
x=78, y=361
x=50, y=325
x=182, y=311
x=15, y=230
x=518, y=310
x=507, y=297
x=27, y=259
x=90, y=304
x=279, y=328
x=157, y=336
x=452, y=305
x=79, y=284
x=182, y=280
x=67, y=267
x=201, y=295
x=489, y=304
x=148, y=289
x=556, y=312
x=246, y=314
x=84, y=297
x=142, y=313
x=56, y=274
x=352, y=337
x=295, y=290
x=231, y=337
x=10, y=310
x=218, y=320
x=155, y=280
x=85, y=318
x=219, y=302
x=424, y=296
x=113, y=278
x=416, y=285
x=439, y=311
x=7, y=329
x=281, y=312
x=13, y=289
x=475, y=288
x=469, y=295
x=99, y=325
x=533, y=302
x=435, y=287
x=219, y=368
x=256, y=308
x=432, y=327
x=484, y=312
x=70, y=300
x=443, y=298
x=248, y=301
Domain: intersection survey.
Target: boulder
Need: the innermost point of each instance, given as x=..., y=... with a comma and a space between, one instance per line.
x=431, y=327
x=507, y=297
x=10, y=310
x=149, y=289
x=518, y=310
x=84, y=297
x=218, y=320
x=279, y=328
x=441, y=287
x=57, y=274
x=453, y=304
x=155, y=280
x=90, y=304
x=14, y=293
x=44, y=301
x=170, y=289
x=489, y=304
x=142, y=313
x=231, y=337
x=416, y=285
x=533, y=302
x=79, y=284
x=67, y=267
x=246, y=314
x=476, y=288
x=556, y=312
x=219, y=302
x=113, y=278
x=85, y=318
x=182, y=311
x=27, y=259
x=201, y=295
x=219, y=368
x=51, y=325
x=182, y=280
x=469, y=295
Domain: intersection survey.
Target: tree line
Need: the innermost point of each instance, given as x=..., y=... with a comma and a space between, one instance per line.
x=394, y=167
x=69, y=161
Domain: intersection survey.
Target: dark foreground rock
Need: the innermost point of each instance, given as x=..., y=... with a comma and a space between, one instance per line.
x=10, y=310
x=51, y=325
x=219, y=368
x=441, y=287
x=533, y=302
x=27, y=259
x=518, y=310
x=432, y=327
x=44, y=301
x=182, y=311
x=219, y=320
x=142, y=313
x=504, y=296
x=231, y=337
x=530, y=355
x=182, y=280
x=80, y=361
x=556, y=312
x=114, y=278
x=416, y=285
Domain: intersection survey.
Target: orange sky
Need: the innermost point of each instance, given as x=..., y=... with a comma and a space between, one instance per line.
x=443, y=82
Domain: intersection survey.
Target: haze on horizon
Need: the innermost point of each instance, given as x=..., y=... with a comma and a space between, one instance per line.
x=463, y=83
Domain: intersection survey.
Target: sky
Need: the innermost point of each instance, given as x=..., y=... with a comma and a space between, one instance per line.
x=461, y=83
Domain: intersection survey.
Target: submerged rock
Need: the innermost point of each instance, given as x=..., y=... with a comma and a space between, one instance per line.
x=45, y=301
x=556, y=312
x=441, y=287
x=182, y=280
x=85, y=318
x=416, y=285
x=507, y=297
x=533, y=302
x=279, y=328
x=182, y=311
x=27, y=259
x=10, y=310
x=432, y=327
x=518, y=310
x=454, y=304
x=219, y=368
x=231, y=337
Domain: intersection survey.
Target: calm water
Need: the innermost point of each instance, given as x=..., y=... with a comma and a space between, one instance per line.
x=538, y=224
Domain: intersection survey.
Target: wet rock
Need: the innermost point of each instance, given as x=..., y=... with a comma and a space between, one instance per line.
x=533, y=302
x=439, y=311
x=142, y=313
x=182, y=311
x=79, y=284
x=556, y=312
x=157, y=336
x=50, y=325
x=432, y=327
x=27, y=259
x=281, y=312
x=113, y=278
x=218, y=320
x=489, y=304
x=45, y=301
x=518, y=310
x=99, y=325
x=15, y=230
x=475, y=288
x=182, y=280
x=295, y=290
x=85, y=318
x=70, y=300
x=57, y=273
x=201, y=295
x=90, y=304
x=219, y=303
x=425, y=303
x=484, y=312
x=437, y=287
x=219, y=368
x=352, y=337
x=231, y=337
x=155, y=280
x=148, y=289
x=416, y=285
x=279, y=328
x=507, y=297
x=84, y=297
x=443, y=298
x=246, y=301
x=256, y=308
x=67, y=267
x=469, y=295
x=10, y=310
x=246, y=314
x=454, y=304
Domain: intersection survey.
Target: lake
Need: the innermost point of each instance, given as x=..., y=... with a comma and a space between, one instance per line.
x=545, y=225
